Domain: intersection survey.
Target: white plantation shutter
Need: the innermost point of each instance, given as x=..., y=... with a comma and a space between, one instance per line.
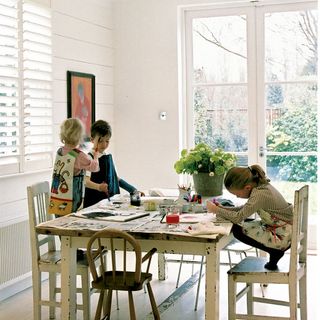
x=25, y=87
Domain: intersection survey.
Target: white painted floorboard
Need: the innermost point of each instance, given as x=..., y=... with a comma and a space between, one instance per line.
x=20, y=305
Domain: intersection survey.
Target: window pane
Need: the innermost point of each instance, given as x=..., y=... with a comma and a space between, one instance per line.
x=219, y=49
x=291, y=45
x=221, y=117
x=291, y=101
x=291, y=117
x=37, y=62
x=25, y=52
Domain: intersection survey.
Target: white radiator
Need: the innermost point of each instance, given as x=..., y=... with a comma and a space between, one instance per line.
x=15, y=252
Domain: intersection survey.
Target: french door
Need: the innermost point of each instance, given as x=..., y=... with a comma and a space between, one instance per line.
x=251, y=87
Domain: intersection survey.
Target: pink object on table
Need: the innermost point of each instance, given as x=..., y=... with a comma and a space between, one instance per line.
x=215, y=201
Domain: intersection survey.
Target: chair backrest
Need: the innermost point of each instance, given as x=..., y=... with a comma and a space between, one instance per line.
x=298, y=254
x=113, y=239
x=38, y=203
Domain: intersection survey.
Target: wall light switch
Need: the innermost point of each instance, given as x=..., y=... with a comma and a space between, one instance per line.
x=163, y=115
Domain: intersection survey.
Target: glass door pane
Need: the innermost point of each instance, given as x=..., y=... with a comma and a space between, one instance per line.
x=220, y=83
x=291, y=101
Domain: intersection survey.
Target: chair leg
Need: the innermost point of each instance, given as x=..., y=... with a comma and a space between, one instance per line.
x=293, y=303
x=108, y=304
x=262, y=285
x=302, y=297
x=198, y=287
x=36, y=279
x=85, y=288
x=99, y=306
x=180, y=266
x=155, y=310
x=232, y=286
x=249, y=298
x=131, y=306
x=192, y=267
x=229, y=258
x=262, y=289
x=52, y=292
x=117, y=299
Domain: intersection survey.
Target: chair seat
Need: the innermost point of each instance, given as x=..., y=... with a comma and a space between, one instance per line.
x=255, y=265
x=54, y=257
x=118, y=284
x=51, y=257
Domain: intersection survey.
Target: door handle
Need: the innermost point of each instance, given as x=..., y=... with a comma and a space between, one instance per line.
x=262, y=151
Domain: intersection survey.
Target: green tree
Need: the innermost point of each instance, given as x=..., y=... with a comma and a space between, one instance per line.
x=296, y=130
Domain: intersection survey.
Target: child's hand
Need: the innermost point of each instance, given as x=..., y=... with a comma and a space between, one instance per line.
x=103, y=187
x=211, y=207
x=95, y=143
x=142, y=194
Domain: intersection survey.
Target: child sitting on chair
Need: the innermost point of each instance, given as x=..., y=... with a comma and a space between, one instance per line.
x=105, y=183
x=272, y=232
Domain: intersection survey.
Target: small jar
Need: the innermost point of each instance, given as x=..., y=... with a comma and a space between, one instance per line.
x=135, y=199
x=172, y=218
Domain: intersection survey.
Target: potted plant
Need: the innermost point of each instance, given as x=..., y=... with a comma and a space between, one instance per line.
x=207, y=167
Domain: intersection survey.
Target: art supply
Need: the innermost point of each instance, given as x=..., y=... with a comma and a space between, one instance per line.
x=162, y=218
x=185, y=208
x=215, y=201
x=150, y=205
x=135, y=199
x=197, y=208
x=107, y=192
x=172, y=218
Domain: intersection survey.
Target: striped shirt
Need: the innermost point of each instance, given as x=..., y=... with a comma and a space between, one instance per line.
x=264, y=197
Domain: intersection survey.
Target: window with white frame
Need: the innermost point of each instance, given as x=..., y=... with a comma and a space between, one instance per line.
x=26, y=142
x=252, y=88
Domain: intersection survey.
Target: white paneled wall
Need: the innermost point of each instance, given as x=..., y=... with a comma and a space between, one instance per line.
x=14, y=247
x=82, y=42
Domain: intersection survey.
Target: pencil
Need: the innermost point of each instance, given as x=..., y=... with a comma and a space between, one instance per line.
x=162, y=217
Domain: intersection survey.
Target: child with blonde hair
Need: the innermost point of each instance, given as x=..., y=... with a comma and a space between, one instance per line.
x=272, y=231
x=69, y=169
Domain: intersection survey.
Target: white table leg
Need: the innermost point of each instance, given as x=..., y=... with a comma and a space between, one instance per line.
x=68, y=279
x=162, y=267
x=212, y=283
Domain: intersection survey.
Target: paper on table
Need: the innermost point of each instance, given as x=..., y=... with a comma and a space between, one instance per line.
x=111, y=215
x=208, y=227
x=196, y=217
x=72, y=222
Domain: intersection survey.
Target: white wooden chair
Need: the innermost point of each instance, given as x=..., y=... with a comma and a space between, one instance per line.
x=46, y=258
x=124, y=273
x=251, y=270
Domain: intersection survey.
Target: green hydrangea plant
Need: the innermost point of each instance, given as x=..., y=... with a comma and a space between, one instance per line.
x=203, y=159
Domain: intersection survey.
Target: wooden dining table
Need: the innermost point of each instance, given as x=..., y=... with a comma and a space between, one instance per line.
x=76, y=231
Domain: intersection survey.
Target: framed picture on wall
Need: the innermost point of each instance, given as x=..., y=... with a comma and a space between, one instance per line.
x=81, y=98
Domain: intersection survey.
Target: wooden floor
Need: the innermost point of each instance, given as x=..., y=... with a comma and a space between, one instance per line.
x=174, y=304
